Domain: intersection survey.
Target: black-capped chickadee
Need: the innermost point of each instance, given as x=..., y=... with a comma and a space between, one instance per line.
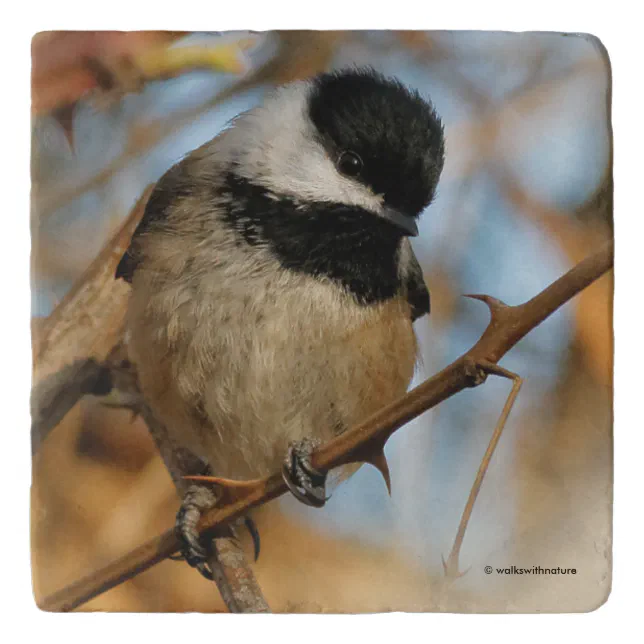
x=273, y=283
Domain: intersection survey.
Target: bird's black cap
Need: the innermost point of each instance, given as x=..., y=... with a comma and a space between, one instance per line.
x=395, y=132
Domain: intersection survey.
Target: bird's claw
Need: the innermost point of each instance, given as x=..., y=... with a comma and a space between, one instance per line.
x=306, y=483
x=196, y=501
x=254, y=535
x=199, y=499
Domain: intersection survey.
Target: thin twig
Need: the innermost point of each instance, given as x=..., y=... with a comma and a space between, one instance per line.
x=234, y=577
x=365, y=442
x=451, y=566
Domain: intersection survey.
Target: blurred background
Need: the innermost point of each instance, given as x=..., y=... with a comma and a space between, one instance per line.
x=526, y=193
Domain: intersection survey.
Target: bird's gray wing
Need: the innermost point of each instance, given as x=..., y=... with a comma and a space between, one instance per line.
x=165, y=194
x=417, y=291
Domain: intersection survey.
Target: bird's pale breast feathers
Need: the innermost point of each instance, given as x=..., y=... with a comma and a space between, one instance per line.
x=272, y=298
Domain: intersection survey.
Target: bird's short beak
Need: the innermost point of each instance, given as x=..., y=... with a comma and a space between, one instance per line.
x=406, y=223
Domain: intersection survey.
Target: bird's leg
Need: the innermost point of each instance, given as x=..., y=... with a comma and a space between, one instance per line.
x=307, y=483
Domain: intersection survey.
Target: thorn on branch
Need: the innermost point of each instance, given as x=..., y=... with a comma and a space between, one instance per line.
x=495, y=305
x=229, y=490
x=379, y=461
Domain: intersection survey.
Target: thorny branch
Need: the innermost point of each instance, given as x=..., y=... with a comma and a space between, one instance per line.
x=365, y=442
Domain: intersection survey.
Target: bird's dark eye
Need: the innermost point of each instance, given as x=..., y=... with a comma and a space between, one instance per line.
x=350, y=164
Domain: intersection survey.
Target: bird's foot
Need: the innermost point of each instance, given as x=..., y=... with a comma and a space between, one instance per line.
x=197, y=500
x=307, y=483
x=196, y=551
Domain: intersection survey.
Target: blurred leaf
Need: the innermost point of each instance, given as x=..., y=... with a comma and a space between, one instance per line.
x=168, y=62
x=59, y=72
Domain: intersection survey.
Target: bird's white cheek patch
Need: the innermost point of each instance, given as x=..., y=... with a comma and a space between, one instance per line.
x=279, y=149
